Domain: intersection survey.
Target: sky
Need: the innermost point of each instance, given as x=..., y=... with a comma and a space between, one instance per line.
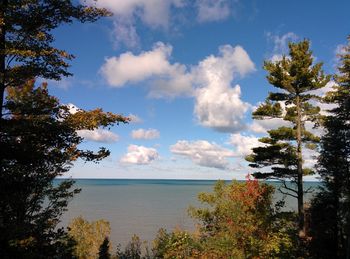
x=189, y=74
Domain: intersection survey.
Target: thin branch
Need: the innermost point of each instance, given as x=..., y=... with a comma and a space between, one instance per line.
x=287, y=193
x=288, y=188
x=309, y=190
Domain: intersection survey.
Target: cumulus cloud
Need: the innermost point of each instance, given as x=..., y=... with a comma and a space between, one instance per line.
x=99, y=135
x=212, y=10
x=203, y=153
x=139, y=155
x=218, y=105
x=171, y=81
x=134, y=68
x=244, y=144
x=221, y=109
x=145, y=134
x=152, y=13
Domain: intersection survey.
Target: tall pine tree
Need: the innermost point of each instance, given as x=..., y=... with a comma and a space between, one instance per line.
x=281, y=158
x=331, y=206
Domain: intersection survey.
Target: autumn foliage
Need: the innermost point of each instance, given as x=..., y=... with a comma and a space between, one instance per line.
x=238, y=220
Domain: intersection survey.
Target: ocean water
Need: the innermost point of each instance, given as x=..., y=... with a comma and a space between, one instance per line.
x=142, y=206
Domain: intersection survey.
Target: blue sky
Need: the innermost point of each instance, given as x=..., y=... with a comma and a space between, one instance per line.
x=189, y=74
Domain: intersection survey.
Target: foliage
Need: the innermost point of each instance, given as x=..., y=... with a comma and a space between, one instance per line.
x=176, y=244
x=104, y=250
x=236, y=221
x=241, y=222
x=331, y=207
x=39, y=142
x=281, y=158
x=26, y=39
x=89, y=237
x=132, y=250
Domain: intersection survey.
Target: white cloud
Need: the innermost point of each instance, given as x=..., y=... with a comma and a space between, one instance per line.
x=244, y=144
x=64, y=83
x=155, y=13
x=339, y=50
x=134, y=118
x=322, y=91
x=212, y=10
x=134, y=68
x=139, y=155
x=99, y=135
x=177, y=83
x=145, y=134
x=309, y=157
x=221, y=109
x=203, y=153
x=152, y=13
x=124, y=33
x=325, y=107
x=72, y=108
x=281, y=44
x=218, y=105
x=172, y=79
x=262, y=126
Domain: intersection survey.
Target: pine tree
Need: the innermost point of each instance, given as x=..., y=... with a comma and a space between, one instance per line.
x=40, y=142
x=26, y=39
x=295, y=75
x=331, y=206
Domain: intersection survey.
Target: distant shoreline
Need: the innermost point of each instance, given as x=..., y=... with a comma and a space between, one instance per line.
x=167, y=179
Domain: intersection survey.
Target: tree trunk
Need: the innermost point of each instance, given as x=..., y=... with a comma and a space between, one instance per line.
x=348, y=248
x=300, y=171
x=2, y=56
x=347, y=183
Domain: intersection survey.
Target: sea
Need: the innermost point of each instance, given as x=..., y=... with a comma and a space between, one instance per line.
x=142, y=207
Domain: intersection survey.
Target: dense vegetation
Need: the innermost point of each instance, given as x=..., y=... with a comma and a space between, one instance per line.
x=38, y=135
x=39, y=141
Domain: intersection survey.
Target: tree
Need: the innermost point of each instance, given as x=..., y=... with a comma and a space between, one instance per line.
x=176, y=244
x=132, y=249
x=40, y=142
x=240, y=221
x=331, y=206
x=89, y=237
x=104, y=250
x=26, y=39
x=296, y=76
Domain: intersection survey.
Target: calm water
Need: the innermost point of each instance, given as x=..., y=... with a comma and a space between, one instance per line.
x=141, y=206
